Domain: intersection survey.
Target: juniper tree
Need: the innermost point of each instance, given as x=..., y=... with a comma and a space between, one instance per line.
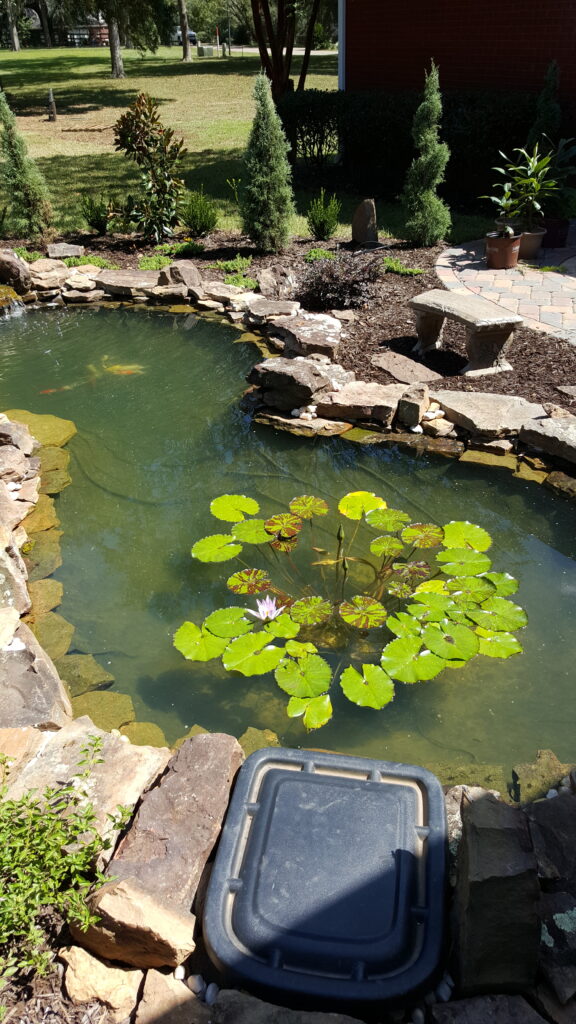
x=428, y=218
x=31, y=211
x=267, y=202
x=548, y=119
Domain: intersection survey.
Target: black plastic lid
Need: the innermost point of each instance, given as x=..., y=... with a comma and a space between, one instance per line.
x=329, y=879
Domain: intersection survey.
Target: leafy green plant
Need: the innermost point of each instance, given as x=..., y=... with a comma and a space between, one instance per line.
x=180, y=249
x=30, y=256
x=313, y=255
x=322, y=216
x=49, y=846
x=428, y=218
x=267, y=202
x=418, y=597
x=529, y=183
x=95, y=211
x=86, y=261
x=30, y=207
x=198, y=213
x=393, y=265
x=340, y=283
x=236, y=266
x=241, y=281
x=156, y=262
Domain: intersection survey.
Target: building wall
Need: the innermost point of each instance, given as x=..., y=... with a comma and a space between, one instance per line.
x=497, y=45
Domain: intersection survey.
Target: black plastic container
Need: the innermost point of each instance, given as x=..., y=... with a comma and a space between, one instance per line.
x=328, y=885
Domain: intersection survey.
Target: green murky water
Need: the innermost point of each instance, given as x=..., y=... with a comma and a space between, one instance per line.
x=152, y=449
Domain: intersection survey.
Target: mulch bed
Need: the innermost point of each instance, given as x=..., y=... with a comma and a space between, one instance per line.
x=42, y=1001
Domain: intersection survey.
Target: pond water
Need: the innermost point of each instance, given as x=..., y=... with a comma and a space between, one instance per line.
x=153, y=449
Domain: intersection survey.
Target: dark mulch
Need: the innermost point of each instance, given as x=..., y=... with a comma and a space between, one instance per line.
x=42, y=1001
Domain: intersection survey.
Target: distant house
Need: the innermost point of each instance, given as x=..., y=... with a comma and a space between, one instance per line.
x=505, y=45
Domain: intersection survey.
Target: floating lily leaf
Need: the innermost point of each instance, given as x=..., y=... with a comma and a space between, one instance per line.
x=372, y=689
x=307, y=506
x=282, y=626
x=470, y=591
x=412, y=570
x=450, y=640
x=308, y=677
x=405, y=660
x=386, y=547
x=505, y=583
x=399, y=588
x=317, y=710
x=228, y=622
x=423, y=535
x=218, y=547
x=499, y=615
x=363, y=612
x=497, y=645
x=251, y=531
x=431, y=587
x=285, y=544
x=196, y=644
x=297, y=649
x=391, y=519
x=252, y=655
x=466, y=535
x=463, y=562
x=433, y=607
x=403, y=624
x=311, y=611
x=356, y=503
x=233, y=507
x=285, y=524
x=249, y=581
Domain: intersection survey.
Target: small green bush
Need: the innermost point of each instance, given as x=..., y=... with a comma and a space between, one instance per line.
x=313, y=255
x=157, y=262
x=85, y=261
x=427, y=217
x=30, y=207
x=95, y=212
x=344, y=282
x=198, y=213
x=322, y=216
x=267, y=202
x=240, y=281
x=395, y=266
x=180, y=249
x=236, y=266
x=25, y=254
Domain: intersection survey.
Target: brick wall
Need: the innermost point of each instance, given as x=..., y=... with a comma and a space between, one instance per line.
x=497, y=45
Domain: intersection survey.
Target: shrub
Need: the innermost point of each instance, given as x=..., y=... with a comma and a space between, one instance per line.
x=548, y=118
x=323, y=216
x=28, y=255
x=95, y=212
x=395, y=266
x=338, y=284
x=238, y=265
x=30, y=206
x=311, y=120
x=198, y=213
x=85, y=261
x=157, y=262
x=241, y=281
x=313, y=255
x=180, y=249
x=141, y=135
x=267, y=202
x=428, y=218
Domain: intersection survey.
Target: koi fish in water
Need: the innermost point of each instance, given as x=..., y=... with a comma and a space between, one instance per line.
x=95, y=372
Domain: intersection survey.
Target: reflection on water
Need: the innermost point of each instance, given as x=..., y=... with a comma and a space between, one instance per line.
x=155, y=446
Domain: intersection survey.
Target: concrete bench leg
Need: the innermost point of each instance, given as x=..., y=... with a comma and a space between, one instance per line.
x=486, y=351
x=429, y=329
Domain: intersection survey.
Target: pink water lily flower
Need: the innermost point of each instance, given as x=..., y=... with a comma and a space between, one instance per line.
x=267, y=609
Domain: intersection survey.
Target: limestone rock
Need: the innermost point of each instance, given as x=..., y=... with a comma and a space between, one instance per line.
x=562, y=483
x=182, y=272
x=79, y=283
x=364, y=223
x=19, y=745
x=232, y=1007
x=136, y=927
x=60, y=250
x=179, y=821
x=490, y=415
x=42, y=517
x=55, y=481
x=256, y=739
x=47, y=429
x=12, y=511
x=486, y=1010
x=413, y=404
x=306, y=333
x=53, y=458
x=404, y=369
x=29, y=490
x=107, y=709
x=13, y=590
x=317, y=427
x=169, y=293
x=32, y=693
x=292, y=383
x=555, y=436
x=360, y=400
x=81, y=295
x=217, y=291
x=45, y=596
x=18, y=435
x=533, y=780
x=553, y=832
x=45, y=554
x=15, y=272
x=54, y=633
x=82, y=673
x=88, y=979
x=498, y=447
x=144, y=734
x=440, y=427
x=484, y=458
x=13, y=463
x=260, y=309
x=196, y=730
x=124, y=282
x=9, y=619
x=275, y=282
x=169, y=1001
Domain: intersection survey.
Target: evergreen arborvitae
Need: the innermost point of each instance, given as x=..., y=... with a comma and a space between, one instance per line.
x=267, y=202
x=428, y=218
x=23, y=183
x=548, y=119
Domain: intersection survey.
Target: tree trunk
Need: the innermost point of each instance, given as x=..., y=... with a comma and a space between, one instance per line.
x=183, y=12
x=308, y=44
x=12, y=29
x=43, y=10
x=115, y=51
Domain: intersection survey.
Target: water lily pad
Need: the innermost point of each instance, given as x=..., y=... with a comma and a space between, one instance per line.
x=107, y=709
x=451, y=640
x=403, y=624
x=297, y=649
x=386, y=547
x=497, y=645
x=285, y=525
x=307, y=677
x=422, y=535
x=311, y=611
x=355, y=504
x=463, y=562
x=433, y=607
x=399, y=588
x=47, y=429
x=470, y=591
x=228, y=622
x=249, y=581
x=372, y=689
x=463, y=534
x=218, y=547
x=282, y=626
x=431, y=587
x=505, y=583
x=307, y=506
x=391, y=519
x=412, y=570
x=252, y=655
x=233, y=507
x=316, y=710
x=405, y=660
x=363, y=612
x=198, y=644
x=499, y=615
x=284, y=544
x=251, y=531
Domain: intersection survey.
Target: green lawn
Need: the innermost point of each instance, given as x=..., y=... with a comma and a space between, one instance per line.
x=208, y=102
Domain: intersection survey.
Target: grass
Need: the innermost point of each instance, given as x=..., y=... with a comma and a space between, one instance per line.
x=208, y=102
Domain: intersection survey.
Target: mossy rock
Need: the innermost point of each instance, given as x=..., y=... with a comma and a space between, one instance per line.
x=144, y=734
x=489, y=776
x=42, y=517
x=7, y=296
x=44, y=554
x=55, y=481
x=256, y=739
x=527, y=472
x=47, y=429
x=489, y=459
x=45, y=596
x=196, y=730
x=52, y=458
x=54, y=633
x=82, y=673
x=532, y=781
x=107, y=709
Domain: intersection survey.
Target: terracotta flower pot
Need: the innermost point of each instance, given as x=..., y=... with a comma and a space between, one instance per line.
x=530, y=243
x=502, y=252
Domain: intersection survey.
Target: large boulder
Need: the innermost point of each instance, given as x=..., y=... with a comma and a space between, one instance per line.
x=487, y=414
x=17, y=434
x=553, y=831
x=13, y=574
x=130, y=283
x=15, y=272
x=556, y=436
x=182, y=272
x=260, y=309
x=361, y=401
x=31, y=692
x=306, y=333
x=292, y=383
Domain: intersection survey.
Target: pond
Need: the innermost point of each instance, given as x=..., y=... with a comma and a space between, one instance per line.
x=154, y=447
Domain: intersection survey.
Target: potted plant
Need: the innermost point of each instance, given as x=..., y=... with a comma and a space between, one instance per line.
x=530, y=182
x=503, y=245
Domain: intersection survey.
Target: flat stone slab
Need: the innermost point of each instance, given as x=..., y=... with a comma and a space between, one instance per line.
x=59, y=250
x=360, y=400
x=82, y=673
x=476, y=312
x=404, y=369
x=124, y=282
x=88, y=979
x=567, y=389
x=31, y=692
x=305, y=428
x=292, y=383
x=306, y=333
x=554, y=436
x=18, y=435
x=47, y=429
x=490, y=415
x=262, y=309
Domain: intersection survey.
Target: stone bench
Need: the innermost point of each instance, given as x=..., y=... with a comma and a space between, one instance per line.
x=489, y=327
